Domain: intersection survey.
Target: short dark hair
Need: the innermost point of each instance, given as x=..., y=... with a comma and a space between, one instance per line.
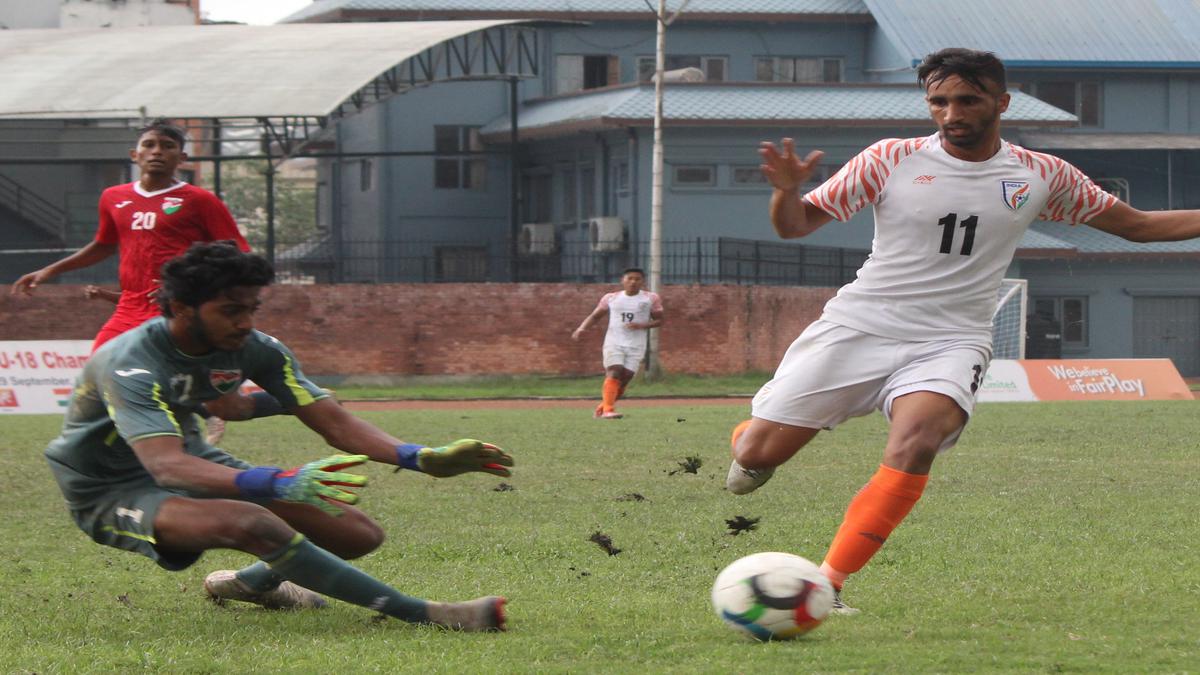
x=208, y=269
x=971, y=65
x=162, y=125
x=633, y=269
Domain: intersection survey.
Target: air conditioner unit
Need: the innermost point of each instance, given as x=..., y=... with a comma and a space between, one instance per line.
x=606, y=233
x=536, y=239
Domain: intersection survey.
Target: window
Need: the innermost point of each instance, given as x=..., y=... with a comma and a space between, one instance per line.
x=714, y=67
x=797, y=69
x=461, y=172
x=1070, y=313
x=576, y=72
x=567, y=189
x=621, y=177
x=1081, y=99
x=366, y=169
x=750, y=175
x=461, y=263
x=537, y=194
x=694, y=175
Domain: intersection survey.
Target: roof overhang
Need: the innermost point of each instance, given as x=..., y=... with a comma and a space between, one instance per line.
x=235, y=71
x=1086, y=141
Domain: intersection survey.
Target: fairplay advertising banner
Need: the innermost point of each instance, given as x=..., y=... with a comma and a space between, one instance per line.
x=1084, y=380
x=37, y=376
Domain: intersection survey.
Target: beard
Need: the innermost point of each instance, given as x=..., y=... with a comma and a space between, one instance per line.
x=974, y=134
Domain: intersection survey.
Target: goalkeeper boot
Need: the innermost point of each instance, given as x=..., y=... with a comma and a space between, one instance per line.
x=840, y=607
x=741, y=481
x=224, y=585
x=480, y=614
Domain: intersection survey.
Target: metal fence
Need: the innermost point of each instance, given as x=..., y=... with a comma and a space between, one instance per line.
x=716, y=260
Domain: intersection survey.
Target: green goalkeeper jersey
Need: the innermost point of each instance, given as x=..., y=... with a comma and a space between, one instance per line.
x=140, y=385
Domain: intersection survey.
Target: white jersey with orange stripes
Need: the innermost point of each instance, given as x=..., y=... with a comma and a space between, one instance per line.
x=945, y=232
x=624, y=309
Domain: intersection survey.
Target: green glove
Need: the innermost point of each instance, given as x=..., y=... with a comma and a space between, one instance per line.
x=313, y=483
x=461, y=456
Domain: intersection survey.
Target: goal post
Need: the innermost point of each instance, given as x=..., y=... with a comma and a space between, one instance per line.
x=1008, y=322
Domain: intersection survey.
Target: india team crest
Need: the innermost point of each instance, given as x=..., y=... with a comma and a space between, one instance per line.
x=1016, y=193
x=225, y=381
x=171, y=204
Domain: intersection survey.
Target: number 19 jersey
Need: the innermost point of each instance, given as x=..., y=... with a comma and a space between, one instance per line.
x=945, y=232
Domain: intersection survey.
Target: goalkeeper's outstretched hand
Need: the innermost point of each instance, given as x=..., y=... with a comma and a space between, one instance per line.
x=314, y=483
x=463, y=456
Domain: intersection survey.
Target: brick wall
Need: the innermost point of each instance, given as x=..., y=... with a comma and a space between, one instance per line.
x=473, y=329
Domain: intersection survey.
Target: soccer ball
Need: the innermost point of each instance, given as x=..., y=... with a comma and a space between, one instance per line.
x=772, y=596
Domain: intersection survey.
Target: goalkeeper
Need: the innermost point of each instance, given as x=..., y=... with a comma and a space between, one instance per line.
x=137, y=474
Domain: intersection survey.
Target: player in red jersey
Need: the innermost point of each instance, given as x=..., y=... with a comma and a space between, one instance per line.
x=150, y=221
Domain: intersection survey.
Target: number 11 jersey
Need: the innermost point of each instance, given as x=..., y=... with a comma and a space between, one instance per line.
x=945, y=232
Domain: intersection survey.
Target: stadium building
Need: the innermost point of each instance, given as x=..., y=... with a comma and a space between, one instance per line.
x=537, y=166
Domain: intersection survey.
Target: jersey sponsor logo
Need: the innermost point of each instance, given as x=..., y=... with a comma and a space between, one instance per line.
x=923, y=180
x=121, y=205
x=171, y=204
x=133, y=514
x=225, y=381
x=131, y=371
x=1016, y=193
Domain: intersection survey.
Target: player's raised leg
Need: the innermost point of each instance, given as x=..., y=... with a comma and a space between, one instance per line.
x=758, y=447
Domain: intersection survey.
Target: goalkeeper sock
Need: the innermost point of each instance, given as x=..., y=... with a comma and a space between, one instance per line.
x=872, y=515
x=611, y=389
x=318, y=570
x=259, y=577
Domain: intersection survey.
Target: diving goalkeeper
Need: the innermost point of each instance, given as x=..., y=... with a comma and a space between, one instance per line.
x=137, y=474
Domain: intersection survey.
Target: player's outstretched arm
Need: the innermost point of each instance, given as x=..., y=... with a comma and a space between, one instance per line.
x=343, y=430
x=1129, y=223
x=94, y=292
x=587, y=323
x=316, y=483
x=87, y=256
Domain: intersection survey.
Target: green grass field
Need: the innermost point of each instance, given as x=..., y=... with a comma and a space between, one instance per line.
x=1054, y=538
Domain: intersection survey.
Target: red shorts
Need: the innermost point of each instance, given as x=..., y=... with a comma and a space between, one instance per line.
x=118, y=323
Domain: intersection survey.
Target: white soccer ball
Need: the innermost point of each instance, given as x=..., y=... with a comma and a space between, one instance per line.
x=772, y=596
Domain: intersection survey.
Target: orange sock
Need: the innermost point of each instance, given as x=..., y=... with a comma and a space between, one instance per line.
x=872, y=515
x=610, y=390
x=737, y=433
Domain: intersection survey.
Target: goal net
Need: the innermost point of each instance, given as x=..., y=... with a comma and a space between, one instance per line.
x=1008, y=323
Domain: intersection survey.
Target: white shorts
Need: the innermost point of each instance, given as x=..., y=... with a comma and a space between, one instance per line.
x=832, y=373
x=629, y=358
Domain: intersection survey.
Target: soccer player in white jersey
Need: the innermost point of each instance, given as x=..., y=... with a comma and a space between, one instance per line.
x=911, y=336
x=631, y=312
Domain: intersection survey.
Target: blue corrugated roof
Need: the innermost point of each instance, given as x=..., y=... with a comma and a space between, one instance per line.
x=722, y=104
x=1089, y=240
x=1061, y=33
x=533, y=8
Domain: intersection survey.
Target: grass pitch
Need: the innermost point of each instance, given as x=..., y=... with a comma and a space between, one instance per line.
x=1054, y=538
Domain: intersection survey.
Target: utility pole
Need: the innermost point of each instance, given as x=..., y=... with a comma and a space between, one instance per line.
x=653, y=365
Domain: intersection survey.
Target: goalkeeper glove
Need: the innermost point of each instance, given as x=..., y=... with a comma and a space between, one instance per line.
x=310, y=484
x=461, y=456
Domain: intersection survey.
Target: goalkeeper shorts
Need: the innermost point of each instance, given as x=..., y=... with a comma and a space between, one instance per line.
x=832, y=373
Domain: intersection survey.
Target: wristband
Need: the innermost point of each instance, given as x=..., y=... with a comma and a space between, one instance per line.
x=406, y=455
x=265, y=405
x=258, y=481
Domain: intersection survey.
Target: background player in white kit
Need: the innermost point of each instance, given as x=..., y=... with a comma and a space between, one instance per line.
x=631, y=312
x=911, y=336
